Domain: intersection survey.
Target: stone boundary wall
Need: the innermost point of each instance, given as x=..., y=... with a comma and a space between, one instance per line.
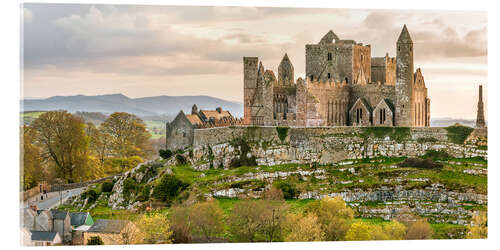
x=214, y=136
x=62, y=187
x=214, y=147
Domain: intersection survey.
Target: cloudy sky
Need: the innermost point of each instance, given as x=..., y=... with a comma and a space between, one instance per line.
x=160, y=50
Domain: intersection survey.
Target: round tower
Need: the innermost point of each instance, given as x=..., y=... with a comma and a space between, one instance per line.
x=404, y=80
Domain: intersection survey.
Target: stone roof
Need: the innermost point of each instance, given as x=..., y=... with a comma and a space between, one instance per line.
x=43, y=236
x=58, y=214
x=78, y=218
x=194, y=119
x=108, y=226
x=404, y=37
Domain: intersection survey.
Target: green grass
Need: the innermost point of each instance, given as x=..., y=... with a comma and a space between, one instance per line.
x=448, y=231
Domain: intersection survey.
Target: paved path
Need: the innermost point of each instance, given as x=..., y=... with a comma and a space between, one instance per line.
x=53, y=198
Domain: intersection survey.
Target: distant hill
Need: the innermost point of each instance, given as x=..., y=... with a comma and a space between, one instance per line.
x=445, y=122
x=145, y=106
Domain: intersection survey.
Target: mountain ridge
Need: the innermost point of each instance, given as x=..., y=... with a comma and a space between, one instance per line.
x=142, y=106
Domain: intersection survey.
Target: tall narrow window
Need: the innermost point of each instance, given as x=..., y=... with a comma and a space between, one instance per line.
x=360, y=113
x=357, y=116
x=311, y=78
x=381, y=116
x=329, y=76
x=329, y=56
x=384, y=115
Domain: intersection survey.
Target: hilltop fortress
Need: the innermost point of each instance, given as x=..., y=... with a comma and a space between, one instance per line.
x=344, y=86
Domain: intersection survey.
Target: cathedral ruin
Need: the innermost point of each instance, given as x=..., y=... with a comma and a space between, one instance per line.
x=344, y=86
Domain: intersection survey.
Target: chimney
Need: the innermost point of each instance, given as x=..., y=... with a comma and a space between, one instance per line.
x=219, y=109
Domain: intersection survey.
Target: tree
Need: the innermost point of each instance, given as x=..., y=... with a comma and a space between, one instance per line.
x=419, y=230
x=251, y=217
x=155, y=228
x=179, y=219
x=334, y=216
x=303, y=228
x=95, y=240
x=206, y=219
x=168, y=188
x=395, y=230
x=274, y=194
x=32, y=168
x=128, y=135
x=64, y=143
x=99, y=143
x=479, y=227
x=359, y=231
x=244, y=221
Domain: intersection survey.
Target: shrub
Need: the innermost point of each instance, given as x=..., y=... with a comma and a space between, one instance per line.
x=95, y=240
x=168, y=188
x=436, y=155
x=165, y=153
x=282, y=132
x=181, y=160
x=91, y=195
x=420, y=163
x=129, y=187
x=458, y=133
x=143, y=194
x=107, y=186
x=289, y=190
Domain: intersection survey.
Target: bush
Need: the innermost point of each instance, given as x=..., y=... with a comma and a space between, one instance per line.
x=95, y=240
x=129, y=187
x=91, y=195
x=282, y=132
x=458, y=133
x=168, y=188
x=143, y=194
x=436, y=155
x=289, y=190
x=165, y=153
x=420, y=163
x=181, y=160
x=107, y=186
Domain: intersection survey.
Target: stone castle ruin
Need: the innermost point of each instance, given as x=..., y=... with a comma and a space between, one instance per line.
x=344, y=86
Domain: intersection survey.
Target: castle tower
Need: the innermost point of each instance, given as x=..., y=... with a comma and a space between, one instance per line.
x=249, y=87
x=285, y=71
x=404, y=80
x=480, y=109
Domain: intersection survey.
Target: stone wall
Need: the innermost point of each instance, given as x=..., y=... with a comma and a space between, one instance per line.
x=215, y=147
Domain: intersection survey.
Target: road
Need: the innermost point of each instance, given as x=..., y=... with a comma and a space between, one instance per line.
x=53, y=198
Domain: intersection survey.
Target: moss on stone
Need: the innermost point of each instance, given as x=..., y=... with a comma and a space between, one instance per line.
x=398, y=134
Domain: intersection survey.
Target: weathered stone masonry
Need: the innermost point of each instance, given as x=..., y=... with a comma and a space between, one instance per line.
x=214, y=147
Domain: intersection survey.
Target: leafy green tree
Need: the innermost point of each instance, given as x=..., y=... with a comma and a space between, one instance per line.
x=168, y=188
x=62, y=139
x=127, y=135
x=32, y=166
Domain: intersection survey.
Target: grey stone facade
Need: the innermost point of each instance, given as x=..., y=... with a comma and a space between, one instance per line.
x=338, y=73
